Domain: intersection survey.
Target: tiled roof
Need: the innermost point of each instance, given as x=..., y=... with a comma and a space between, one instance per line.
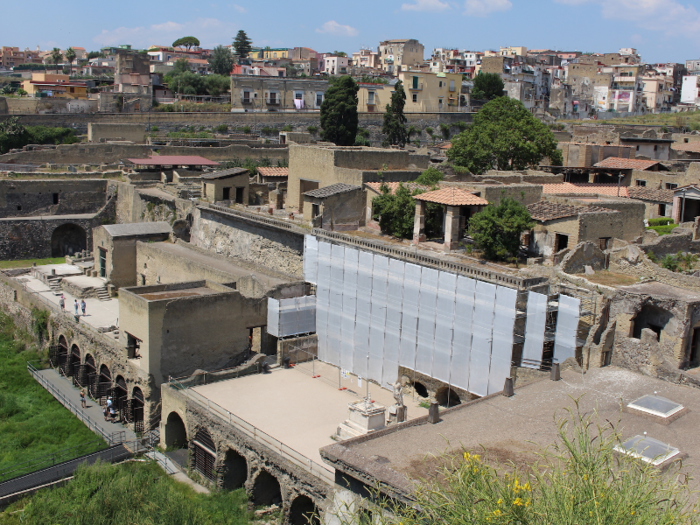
x=571, y=188
x=690, y=147
x=333, y=189
x=393, y=186
x=274, y=172
x=650, y=194
x=548, y=211
x=618, y=163
x=225, y=173
x=137, y=228
x=452, y=197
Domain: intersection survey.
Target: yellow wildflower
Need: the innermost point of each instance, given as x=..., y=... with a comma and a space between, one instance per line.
x=527, y=503
x=590, y=513
x=476, y=457
x=476, y=470
x=497, y=512
x=632, y=513
x=585, y=477
x=518, y=502
x=500, y=501
x=527, y=486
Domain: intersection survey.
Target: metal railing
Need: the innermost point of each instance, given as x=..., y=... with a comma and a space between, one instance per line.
x=492, y=275
x=258, y=435
x=49, y=460
x=113, y=438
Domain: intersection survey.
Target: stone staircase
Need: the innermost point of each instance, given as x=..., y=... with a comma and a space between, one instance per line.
x=103, y=294
x=55, y=285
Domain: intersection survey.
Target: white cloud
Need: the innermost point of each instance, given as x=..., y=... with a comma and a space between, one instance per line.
x=485, y=7
x=426, y=5
x=239, y=8
x=668, y=16
x=210, y=32
x=334, y=28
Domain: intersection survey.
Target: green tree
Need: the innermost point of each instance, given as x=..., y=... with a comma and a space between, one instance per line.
x=497, y=229
x=221, y=61
x=394, y=126
x=56, y=57
x=339, y=118
x=487, y=86
x=395, y=213
x=217, y=84
x=339, y=54
x=181, y=65
x=242, y=44
x=430, y=177
x=187, y=42
x=504, y=136
x=70, y=56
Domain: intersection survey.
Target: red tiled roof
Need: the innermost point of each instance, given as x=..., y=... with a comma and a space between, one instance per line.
x=174, y=160
x=274, y=172
x=393, y=186
x=452, y=197
x=548, y=211
x=650, y=194
x=570, y=188
x=618, y=163
x=690, y=147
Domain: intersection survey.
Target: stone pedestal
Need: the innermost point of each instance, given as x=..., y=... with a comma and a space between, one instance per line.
x=419, y=223
x=363, y=417
x=397, y=414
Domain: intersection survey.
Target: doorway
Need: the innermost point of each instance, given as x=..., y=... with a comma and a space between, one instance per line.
x=694, y=358
x=240, y=193
x=227, y=194
x=103, y=262
x=561, y=242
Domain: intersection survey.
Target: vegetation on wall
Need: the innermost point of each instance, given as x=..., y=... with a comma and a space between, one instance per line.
x=496, y=230
x=15, y=135
x=581, y=479
x=504, y=136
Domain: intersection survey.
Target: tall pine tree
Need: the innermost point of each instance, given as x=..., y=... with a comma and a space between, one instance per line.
x=242, y=44
x=394, y=126
x=339, y=118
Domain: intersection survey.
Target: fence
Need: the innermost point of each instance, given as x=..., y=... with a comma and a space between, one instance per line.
x=114, y=438
x=492, y=273
x=258, y=435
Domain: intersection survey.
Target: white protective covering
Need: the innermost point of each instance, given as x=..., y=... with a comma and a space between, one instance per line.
x=445, y=317
x=462, y=339
x=427, y=304
x=502, y=346
x=482, y=333
x=567, y=328
x=380, y=278
x=392, y=334
x=347, y=327
x=293, y=316
x=310, y=259
x=409, y=319
x=323, y=298
x=362, y=316
x=534, y=329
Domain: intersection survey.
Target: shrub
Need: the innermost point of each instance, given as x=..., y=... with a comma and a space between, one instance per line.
x=660, y=221
x=430, y=177
x=429, y=131
x=445, y=130
x=221, y=128
x=496, y=230
x=154, y=128
x=312, y=129
x=288, y=127
x=670, y=263
x=246, y=129
x=267, y=130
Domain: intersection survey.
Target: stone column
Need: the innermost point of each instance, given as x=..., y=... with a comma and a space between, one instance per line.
x=419, y=223
x=452, y=232
x=677, y=203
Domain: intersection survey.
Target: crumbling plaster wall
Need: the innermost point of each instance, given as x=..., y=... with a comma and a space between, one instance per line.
x=277, y=249
x=582, y=255
x=27, y=198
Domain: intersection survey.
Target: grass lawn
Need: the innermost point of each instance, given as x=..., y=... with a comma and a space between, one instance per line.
x=663, y=229
x=130, y=493
x=7, y=265
x=607, y=278
x=32, y=422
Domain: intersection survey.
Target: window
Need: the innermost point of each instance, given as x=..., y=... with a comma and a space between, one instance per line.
x=440, y=84
x=55, y=198
x=656, y=148
x=452, y=85
x=370, y=98
x=671, y=186
x=298, y=95
x=319, y=99
x=415, y=82
x=561, y=242
x=272, y=97
x=637, y=147
x=415, y=97
x=641, y=183
x=246, y=97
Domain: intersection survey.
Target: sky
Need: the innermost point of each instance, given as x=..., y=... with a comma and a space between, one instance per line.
x=661, y=30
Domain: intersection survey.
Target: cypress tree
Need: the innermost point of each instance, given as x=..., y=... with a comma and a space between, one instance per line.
x=339, y=119
x=394, y=126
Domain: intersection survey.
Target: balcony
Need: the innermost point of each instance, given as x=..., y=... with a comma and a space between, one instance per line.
x=416, y=87
x=272, y=101
x=246, y=100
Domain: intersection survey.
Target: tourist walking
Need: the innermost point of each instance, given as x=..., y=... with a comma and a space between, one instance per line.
x=83, y=401
x=83, y=306
x=62, y=303
x=75, y=305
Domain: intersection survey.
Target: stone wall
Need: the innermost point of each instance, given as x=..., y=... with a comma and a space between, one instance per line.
x=584, y=254
x=64, y=107
x=101, y=132
x=84, y=153
x=27, y=198
x=259, y=243
x=671, y=243
x=631, y=260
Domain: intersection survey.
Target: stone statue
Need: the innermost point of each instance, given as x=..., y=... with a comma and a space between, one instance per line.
x=398, y=394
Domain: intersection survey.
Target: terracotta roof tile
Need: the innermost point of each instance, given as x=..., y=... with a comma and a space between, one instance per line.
x=548, y=211
x=690, y=147
x=274, y=172
x=619, y=163
x=570, y=188
x=452, y=197
x=650, y=194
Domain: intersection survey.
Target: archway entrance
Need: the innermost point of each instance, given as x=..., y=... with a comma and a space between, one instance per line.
x=446, y=397
x=90, y=373
x=104, y=384
x=120, y=399
x=60, y=358
x=175, y=432
x=303, y=512
x=235, y=470
x=73, y=362
x=204, y=454
x=68, y=239
x=137, y=404
x=420, y=389
x=266, y=490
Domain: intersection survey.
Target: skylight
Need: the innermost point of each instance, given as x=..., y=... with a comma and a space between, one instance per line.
x=656, y=405
x=647, y=449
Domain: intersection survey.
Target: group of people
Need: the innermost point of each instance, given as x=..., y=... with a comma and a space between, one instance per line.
x=82, y=306
x=109, y=412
